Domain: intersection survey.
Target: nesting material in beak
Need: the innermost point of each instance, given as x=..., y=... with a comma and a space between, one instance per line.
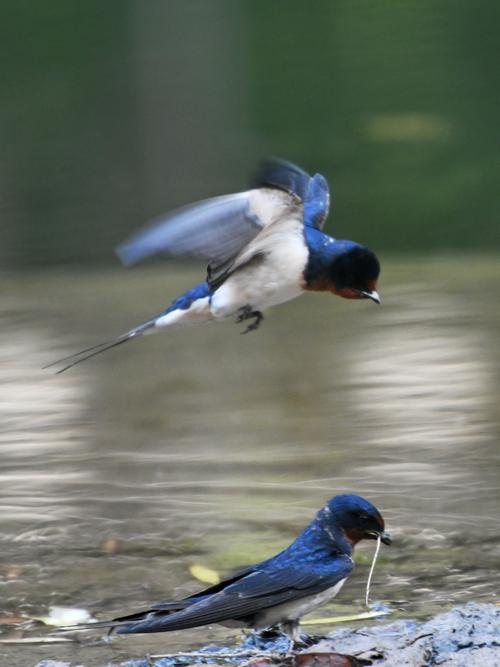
x=370, y=574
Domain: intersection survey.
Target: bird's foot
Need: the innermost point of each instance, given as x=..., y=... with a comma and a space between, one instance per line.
x=297, y=640
x=306, y=641
x=270, y=641
x=256, y=323
x=246, y=313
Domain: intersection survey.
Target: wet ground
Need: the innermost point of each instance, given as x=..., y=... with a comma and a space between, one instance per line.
x=207, y=447
x=465, y=636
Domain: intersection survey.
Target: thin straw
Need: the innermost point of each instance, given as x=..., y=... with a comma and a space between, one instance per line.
x=367, y=597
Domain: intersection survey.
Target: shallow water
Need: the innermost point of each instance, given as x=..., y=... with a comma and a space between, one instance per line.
x=207, y=447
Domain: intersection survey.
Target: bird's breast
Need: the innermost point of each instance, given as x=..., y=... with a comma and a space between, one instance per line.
x=276, y=278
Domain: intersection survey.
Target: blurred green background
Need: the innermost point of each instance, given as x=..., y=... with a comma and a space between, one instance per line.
x=113, y=112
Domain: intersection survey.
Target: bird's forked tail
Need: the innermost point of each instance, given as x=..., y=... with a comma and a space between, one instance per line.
x=89, y=352
x=191, y=307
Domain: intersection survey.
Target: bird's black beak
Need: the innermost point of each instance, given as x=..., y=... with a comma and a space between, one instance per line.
x=383, y=535
x=373, y=295
x=385, y=538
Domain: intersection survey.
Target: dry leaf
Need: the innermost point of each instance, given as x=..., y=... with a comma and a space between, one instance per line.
x=204, y=574
x=109, y=546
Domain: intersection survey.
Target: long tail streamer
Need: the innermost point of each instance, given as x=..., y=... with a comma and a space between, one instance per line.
x=89, y=352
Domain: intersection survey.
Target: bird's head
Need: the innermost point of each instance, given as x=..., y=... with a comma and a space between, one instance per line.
x=358, y=518
x=354, y=272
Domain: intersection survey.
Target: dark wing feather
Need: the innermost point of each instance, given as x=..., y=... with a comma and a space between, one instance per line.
x=312, y=191
x=222, y=585
x=168, y=607
x=248, y=595
x=275, y=173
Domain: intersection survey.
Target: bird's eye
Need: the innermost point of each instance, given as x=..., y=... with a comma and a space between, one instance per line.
x=364, y=516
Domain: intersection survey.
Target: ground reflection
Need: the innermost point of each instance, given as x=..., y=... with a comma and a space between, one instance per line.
x=209, y=447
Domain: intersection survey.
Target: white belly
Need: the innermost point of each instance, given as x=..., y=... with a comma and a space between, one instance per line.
x=275, y=279
x=198, y=311
x=293, y=611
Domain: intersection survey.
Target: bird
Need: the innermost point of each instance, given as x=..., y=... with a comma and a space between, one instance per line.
x=264, y=246
x=277, y=591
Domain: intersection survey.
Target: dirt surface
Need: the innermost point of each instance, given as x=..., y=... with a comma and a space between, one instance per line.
x=467, y=636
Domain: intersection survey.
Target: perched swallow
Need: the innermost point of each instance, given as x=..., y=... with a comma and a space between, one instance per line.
x=263, y=247
x=277, y=591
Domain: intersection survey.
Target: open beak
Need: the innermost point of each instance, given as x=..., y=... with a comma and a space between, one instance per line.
x=373, y=295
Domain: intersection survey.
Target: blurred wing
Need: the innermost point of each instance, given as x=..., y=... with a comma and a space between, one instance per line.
x=288, y=225
x=275, y=173
x=247, y=596
x=313, y=191
x=214, y=229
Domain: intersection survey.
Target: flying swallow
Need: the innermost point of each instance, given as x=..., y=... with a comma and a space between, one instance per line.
x=263, y=247
x=277, y=591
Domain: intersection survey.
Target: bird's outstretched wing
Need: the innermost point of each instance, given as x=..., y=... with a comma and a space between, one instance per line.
x=243, y=598
x=217, y=229
x=214, y=229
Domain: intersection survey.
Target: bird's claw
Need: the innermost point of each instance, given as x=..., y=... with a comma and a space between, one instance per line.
x=306, y=640
x=255, y=325
x=247, y=313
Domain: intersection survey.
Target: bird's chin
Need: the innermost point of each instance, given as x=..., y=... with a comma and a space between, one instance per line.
x=348, y=293
x=352, y=293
